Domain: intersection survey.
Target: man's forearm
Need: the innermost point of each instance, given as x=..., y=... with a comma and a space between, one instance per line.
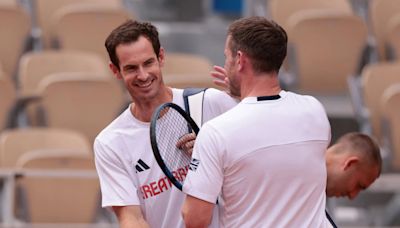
x=130, y=216
x=196, y=213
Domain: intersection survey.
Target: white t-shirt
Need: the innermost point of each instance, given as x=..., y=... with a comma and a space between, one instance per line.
x=267, y=160
x=128, y=171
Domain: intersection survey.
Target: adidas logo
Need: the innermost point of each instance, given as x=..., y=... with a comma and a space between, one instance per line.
x=141, y=166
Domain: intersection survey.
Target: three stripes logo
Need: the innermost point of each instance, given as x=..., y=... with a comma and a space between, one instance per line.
x=194, y=164
x=141, y=166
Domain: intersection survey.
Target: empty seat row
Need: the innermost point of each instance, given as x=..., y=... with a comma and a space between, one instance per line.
x=74, y=25
x=47, y=176
x=374, y=94
x=382, y=21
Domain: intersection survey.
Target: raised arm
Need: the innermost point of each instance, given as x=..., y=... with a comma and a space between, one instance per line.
x=130, y=216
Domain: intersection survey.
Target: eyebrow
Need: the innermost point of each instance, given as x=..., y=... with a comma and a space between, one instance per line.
x=129, y=66
x=150, y=60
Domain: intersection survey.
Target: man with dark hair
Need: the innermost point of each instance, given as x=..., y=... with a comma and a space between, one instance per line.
x=131, y=182
x=265, y=156
x=353, y=163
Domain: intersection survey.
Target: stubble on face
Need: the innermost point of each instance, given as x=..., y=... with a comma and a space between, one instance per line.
x=141, y=70
x=230, y=67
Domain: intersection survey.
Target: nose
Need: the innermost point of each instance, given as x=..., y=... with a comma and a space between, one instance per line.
x=142, y=74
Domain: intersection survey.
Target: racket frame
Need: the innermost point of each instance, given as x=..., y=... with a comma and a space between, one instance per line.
x=153, y=137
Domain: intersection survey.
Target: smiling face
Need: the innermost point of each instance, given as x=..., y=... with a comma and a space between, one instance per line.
x=140, y=69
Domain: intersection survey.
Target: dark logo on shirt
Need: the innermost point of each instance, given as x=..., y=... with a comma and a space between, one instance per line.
x=141, y=166
x=194, y=164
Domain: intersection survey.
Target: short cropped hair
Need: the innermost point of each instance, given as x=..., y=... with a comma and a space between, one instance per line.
x=362, y=144
x=129, y=32
x=264, y=41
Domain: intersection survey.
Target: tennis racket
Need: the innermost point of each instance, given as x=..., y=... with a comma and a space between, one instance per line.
x=170, y=124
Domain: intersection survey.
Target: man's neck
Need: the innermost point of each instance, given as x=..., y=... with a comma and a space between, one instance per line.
x=260, y=85
x=143, y=110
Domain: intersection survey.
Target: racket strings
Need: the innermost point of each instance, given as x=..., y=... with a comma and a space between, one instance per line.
x=169, y=129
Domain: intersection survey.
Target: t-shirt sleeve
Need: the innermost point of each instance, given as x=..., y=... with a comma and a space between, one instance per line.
x=117, y=187
x=322, y=118
x=205, y=176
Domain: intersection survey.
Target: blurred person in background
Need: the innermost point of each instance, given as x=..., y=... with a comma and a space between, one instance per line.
x=353, y=163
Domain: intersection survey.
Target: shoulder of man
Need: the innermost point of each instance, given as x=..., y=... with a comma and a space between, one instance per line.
x=206, y=104
x=193, y=99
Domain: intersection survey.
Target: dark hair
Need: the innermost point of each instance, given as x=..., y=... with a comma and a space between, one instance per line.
x=363, y=144
x=129, y=32
x=263, y=40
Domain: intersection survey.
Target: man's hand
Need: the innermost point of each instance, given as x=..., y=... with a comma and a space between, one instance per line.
x=186, y=143
x=221, y=79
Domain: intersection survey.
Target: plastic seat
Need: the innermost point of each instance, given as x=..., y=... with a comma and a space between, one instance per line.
x=327, y=48
x=7, y=99
x=80, y=102
x=86, y=27
x=390, y=109
x=45, y=10
x=14, y=29
x=35, y=66
x=392, y=38
x=15, y=142
x=57, y=187
x=381, y=12
x=282, y=10
x=8, y=3
x=187, y=70
x=375, y=79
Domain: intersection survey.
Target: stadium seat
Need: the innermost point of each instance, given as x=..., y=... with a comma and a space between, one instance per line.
x=282, y=10
x=375, y=79
x=86, y=27
x=326, y=49
x=35, y=66
x=57, y=188
x=8, y=3
x=381, y=12
x=393, y=37
x=16, y=142
x=45, y=10
x=183, y=70
x=390, y=109
x=80, y=102
x=7, y=99
x=14, y=30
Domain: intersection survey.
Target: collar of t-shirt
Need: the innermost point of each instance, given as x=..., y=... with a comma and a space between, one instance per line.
x=272, y=98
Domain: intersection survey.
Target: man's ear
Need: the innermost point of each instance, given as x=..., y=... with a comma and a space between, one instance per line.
x=115, y=70
x=350, y=161
x=161, y=57
x=240, y=60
